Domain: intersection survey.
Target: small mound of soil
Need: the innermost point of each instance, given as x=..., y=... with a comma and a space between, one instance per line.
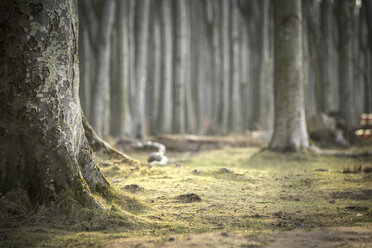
x=188, y=198
x=132, y=188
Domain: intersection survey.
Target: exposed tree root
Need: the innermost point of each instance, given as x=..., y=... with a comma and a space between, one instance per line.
x=99, y=145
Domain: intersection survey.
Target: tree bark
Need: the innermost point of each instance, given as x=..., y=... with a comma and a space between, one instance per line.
x=141, y=69
x=165, y=108
x=327, y=65
x=226, y=52
x=100, y=89
x=346, y=70
x=179, y=84
x=43, y=148
x=290, y=132
x=121, y=116
x=235, y=111
x=156, y=88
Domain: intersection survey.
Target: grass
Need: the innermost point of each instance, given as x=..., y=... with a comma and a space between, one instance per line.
x=242, y=189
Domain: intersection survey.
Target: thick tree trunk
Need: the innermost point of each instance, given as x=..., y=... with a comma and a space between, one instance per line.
x=43, y=148
x=289, y=127
x=141, y=69
x=346, y=55
x=100, y=88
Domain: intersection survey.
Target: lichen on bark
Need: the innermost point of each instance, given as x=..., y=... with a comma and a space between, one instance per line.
x=43, y=148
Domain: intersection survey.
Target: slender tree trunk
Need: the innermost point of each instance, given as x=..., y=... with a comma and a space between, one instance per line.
x=165, y=108
x=132, y=56
x=187, y=72
x=217, y=65
x=289, y=127
x=141, y=69
x=368, y=10
x=326, y=56
x=121, y=117
x=156, y=75
x=346, y=70
x=100, y=88
x=225, y=108
x=266, y=74
x=200, y=63
x=236, y=117
x=43, y=148
x=179, y=85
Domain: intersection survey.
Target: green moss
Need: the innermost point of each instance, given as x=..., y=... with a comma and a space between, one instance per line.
x=261, y=192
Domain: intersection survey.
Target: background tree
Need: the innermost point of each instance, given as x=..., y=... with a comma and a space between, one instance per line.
x=43, y=148
x=290, y=132
x=225, y=65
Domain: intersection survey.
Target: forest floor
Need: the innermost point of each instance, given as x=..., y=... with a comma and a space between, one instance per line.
x=249, y=197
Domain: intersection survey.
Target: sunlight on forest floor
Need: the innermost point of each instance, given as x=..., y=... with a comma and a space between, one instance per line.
x=247, y=195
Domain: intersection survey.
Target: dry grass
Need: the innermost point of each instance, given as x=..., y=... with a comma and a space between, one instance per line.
x=242, y=189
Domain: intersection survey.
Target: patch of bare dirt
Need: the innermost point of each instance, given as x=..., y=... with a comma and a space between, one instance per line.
x=357, y=236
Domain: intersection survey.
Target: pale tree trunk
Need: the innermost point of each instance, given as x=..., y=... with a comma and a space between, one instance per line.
x=188, y=102
x=141, y=69
x=43, y=148
x=179, y=82
x=120, y=116
x=217, y=64
x=200, y=65
x=346, y=70
x=156, y=75
x=235, y=110
x=290, y=132
x=226, y=51
x=266, y=74
x=84, y=64
x=246, y=91
x=132, y=56
x=100, y=88
x=165, y=108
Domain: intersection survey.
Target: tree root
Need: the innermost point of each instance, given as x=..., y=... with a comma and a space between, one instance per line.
x=99, y=145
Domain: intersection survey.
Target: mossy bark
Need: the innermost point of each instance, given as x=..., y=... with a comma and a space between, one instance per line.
x=43, y=148
x=290, y=132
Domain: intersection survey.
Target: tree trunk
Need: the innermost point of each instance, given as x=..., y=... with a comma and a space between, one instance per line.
x=346, y=70
x=217, y=65
x=120, y=117
x=189, y=77
x=43, y=148
x=290, y=132
x=326, y=68
x=235, y=112
x=165, y=108
x=141, y=69
x=156, y=75
x=100, y=88
x=226, y=52
x=179, y=85
x=367, y=5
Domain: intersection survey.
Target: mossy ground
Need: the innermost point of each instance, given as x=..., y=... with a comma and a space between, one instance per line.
x=242, y=189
